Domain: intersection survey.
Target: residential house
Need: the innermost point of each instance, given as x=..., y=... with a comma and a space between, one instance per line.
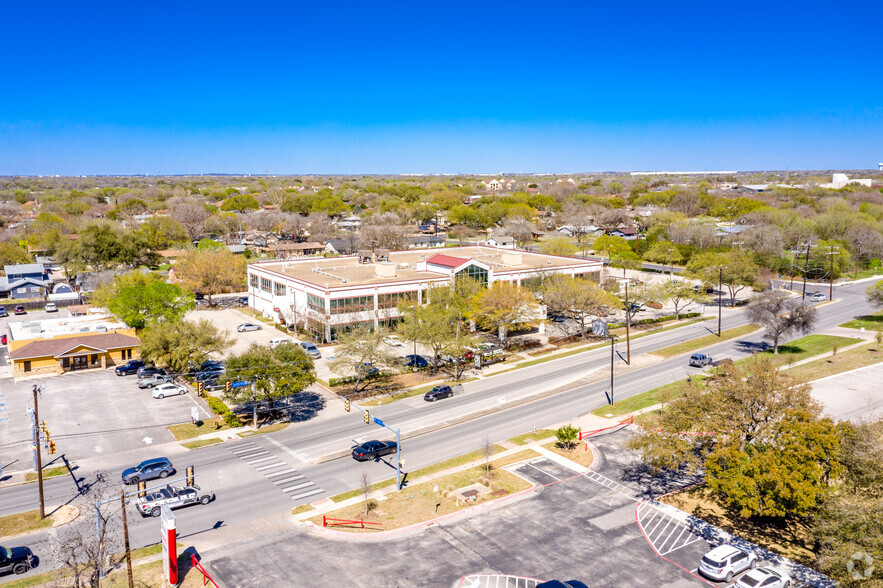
x=29, y=280
x=424, y=241
x=501, y=241
x=290, y=250
x=627, y=233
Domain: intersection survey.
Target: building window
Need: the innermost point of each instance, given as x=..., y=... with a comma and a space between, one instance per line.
x=94, y=358
x=265, y=285
x=27, y=366
x=278, y=289
x=394, y=299
x=316, y=303
x=252, y=280
x=475, y=272
x=353, y=304
x=337, y=330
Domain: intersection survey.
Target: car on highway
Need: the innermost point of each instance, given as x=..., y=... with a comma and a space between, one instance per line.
x=173, y=497
x=248, y=327
x=393, y=341
x=19, y=310
x=50, y=307
x=154, y=380
x=311, y=349
x=439, y=392
x=3, y=312
x=417, y=361
x=373, y=450
x=129, y=368
x=764, y=578
x=17, y=560
x=149, y=469
x=725, y=561
x=700, y=360
x=819, y=297
x=146, y=371
x=164, y=390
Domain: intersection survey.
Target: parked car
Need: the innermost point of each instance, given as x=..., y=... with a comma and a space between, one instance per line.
x=210, y=373
x=129, y=368
x=638, y=306
x=557, y=318
x=20, y=310
x=164, y=390
x=819, y=297
x=311, y=349
x=560, y=584
x=248, y=327
x=3, y=338
x=373, y=450
x=17, y=560
x=148, y=370
x=173, y=497
x=149, y=469
x=214, y=384
x=154, y=380
x=277, y=342
x=3, y=312
x=366, y=369
x=439, y=392
x=417, y=361
x=209, y=363
x=700, y=360
x=243, y=300
x=725, y=561
x=393, y=341
x=51, y=307
x=764, y=578
x=707, y=288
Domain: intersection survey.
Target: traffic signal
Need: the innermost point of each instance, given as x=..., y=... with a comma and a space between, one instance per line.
x=142, y=489
x=43, y=425
x=191, y=478
x=227, y=387
x=367, y=417
x=199, y=387
x=346, y=404
x=51, y=447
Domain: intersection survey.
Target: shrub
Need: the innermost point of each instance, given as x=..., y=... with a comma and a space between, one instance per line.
x=567, y=436
x=232, y=420
x=217, y=405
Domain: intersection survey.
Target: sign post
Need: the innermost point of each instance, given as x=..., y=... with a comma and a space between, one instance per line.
x=169, y=547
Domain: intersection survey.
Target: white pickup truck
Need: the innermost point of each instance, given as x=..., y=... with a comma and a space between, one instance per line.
x=173, y=497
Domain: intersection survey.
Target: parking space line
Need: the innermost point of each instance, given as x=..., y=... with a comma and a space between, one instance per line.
x=280, y=472
x=305, y=494
x=544, y=471
x=270, y=466
x=673, y=529
x=291, y=479
x=298, y=487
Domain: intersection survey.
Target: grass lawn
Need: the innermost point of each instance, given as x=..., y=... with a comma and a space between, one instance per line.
x=415, y=504
x=842, y=362
x=302, y=508
x=792, y=538
x=201, y=443
x=189, y=431
x=871, y=322
x=434, y=468
x=804, y=348
x=577, y=454
x=644, y=399
x=23, y=522
x=701, y=342
x=50, y=473
x=534, y=436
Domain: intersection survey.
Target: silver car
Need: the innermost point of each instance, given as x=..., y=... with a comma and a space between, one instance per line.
x=168, y=390
x=248, y=327
x=154, y=380
x=700, y=360
x=173, y=497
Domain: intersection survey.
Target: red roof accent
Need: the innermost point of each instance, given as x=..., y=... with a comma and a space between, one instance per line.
x=446, y=260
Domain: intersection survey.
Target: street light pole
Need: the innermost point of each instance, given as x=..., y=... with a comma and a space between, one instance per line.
x=628, y=322
x=805, y=264
x=126, y=537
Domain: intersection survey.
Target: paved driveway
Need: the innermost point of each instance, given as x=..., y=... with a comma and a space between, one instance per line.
x=854, y=395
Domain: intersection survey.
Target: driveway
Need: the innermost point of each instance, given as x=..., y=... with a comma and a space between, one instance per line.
x=853, y=395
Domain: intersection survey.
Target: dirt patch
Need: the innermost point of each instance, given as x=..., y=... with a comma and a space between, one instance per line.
x=578, y=454
x=791, y=537
x=64, y=515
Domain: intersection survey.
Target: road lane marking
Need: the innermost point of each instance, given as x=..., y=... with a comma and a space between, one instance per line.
x=298, y=487
x=259, y=460
x=305, y=494
x=271, y=466
x=280, y=472
x=290, y=452
x=287, y=480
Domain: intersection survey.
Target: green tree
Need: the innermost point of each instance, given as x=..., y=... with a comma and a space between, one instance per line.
x=358, y=353
x=680, y=295
x=567, y=436
x=564, y=294
x=183, y=345
x=272, y=373
x=138, y=306
x=738, y=271
x=162, y=232
x=11, y=254
x=610, y=246
x=664, y=252
x=505, y=306
x=557, y=246
x=240, y=202
x=211, y=271
x=626, y=260
x=332, y=206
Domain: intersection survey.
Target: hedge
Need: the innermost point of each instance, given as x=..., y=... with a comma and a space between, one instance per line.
x=334, y=382
x=217, y=405
x=653, y=321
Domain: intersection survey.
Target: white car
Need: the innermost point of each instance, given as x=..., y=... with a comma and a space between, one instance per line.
x=276, y=342
x=819, y=297
x=51, y=307
x=393, y=341
x=764, y=578
x=168, y=390
x=725, y=561
x=173, y=497
x=248, y=327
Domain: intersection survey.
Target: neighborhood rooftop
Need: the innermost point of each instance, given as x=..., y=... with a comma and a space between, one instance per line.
x=48, y=328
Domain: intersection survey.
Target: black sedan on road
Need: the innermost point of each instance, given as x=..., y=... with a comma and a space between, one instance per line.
x=373, y=450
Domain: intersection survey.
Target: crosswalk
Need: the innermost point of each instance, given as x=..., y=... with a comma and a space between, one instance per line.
x=277, y=471
x=665, y=533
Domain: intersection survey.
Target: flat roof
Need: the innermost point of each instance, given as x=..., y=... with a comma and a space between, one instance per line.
x=328, y=273
x=49, y=328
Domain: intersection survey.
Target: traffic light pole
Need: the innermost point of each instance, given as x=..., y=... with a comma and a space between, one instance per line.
x=368, y=418
x=37, y=453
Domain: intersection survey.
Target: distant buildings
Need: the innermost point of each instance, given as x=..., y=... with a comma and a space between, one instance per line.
x=841, y=180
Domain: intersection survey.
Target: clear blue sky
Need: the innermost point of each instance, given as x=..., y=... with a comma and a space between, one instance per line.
x=438, y=87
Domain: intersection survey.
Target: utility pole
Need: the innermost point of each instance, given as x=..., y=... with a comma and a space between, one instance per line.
x=126, y=537
x=831, y=273
x=720, y=298
x=628, y=322
x=805, y=264
x=612, y=352
x=37, y=452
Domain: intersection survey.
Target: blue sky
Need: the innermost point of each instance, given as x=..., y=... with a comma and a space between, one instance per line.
x=437, y=87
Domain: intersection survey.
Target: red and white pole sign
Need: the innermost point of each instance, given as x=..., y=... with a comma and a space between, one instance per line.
x=169, y=545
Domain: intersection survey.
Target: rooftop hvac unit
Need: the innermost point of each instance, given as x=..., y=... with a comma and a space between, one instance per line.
x=101, y=329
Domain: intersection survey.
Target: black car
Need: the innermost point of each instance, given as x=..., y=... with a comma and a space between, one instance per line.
x=209, y=363
x=214, y=384
x=211, y=373
x=17, y=560
x=417, y=361
x=373, y=450
x=560, y=584
x=149, y=469
x=146, y=371
x=438, y=392
x=129, y=368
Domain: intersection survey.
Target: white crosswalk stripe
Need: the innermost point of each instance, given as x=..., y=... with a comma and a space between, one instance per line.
x=305, y=494
x=270, y=466
x=287, y=479
x=298, y=487
x=611, y=484
x=280, y=473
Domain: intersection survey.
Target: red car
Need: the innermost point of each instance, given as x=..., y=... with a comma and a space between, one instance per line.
x=3, y=339
x=20, y=310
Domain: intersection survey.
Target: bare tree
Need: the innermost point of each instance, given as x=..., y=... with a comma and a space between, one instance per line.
x=320, y=227
x=366, y=488
x=863, y=241
x=487, y=450
x=764, y=239
x=384, y=230
x=781, y=314
x=192, y=216
x=611, y=218
x=520, y=230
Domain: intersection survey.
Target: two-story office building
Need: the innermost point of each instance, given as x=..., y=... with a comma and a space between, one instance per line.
x=333, y=295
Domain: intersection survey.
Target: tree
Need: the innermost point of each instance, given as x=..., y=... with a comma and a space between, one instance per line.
x=183, y=345
x=626, y=260
x=11, y=254
x=272, y=373
x=519, y=229
x=557, y=246
x=505, y=306
x=875, y=293
x=680, y=295
x=781, y=314
x=359, y=353
x=666, y=253
x=162, y=232
x=383, y=231
x=564, y=294
x=759, y=435
x=567, y=436
x=863, y=241
x=739, y=272
x=138, y=306
x=211, y=271
x=240, y=203
x=192, y=217
x=610, y=246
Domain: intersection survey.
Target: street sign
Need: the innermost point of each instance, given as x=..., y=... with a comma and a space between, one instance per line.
x=377, y=421
x=238, y=384
x=599, y=327
x=194, y=413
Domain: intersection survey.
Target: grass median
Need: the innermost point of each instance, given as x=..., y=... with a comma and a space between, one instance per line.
x=711, y=339
x=47, y=473
x=871, y=322
x=646, y=399
x=186, y=431
x=24, y=522
x=842, y=362
x=804, y=348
